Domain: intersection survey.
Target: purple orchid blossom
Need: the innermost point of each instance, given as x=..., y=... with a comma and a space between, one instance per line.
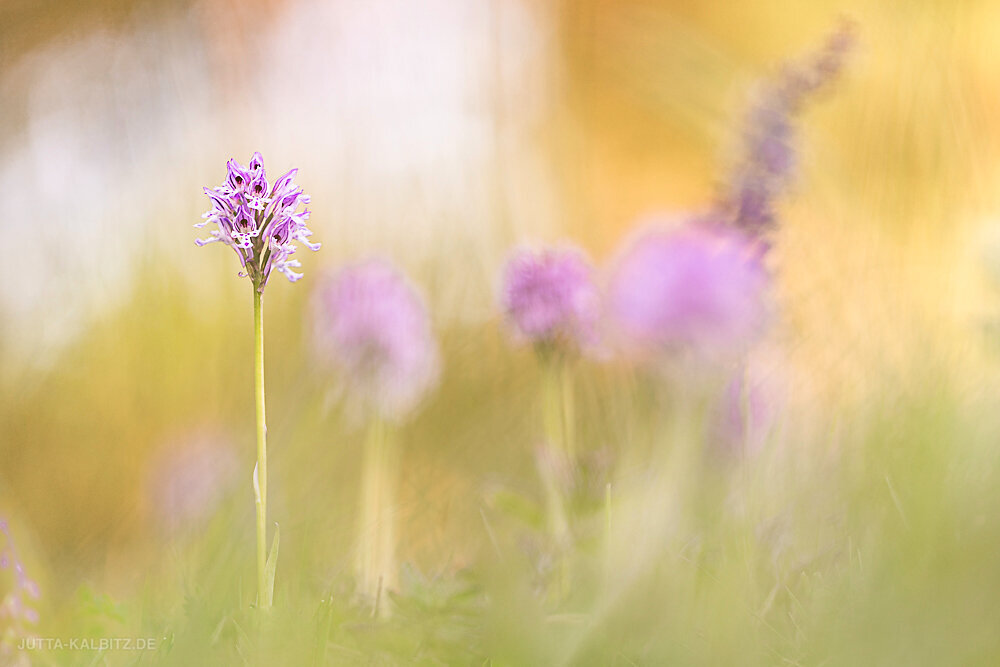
x=261, y=223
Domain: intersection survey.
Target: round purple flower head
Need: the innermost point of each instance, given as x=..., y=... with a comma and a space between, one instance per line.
x=260, y=221
x=696, y=288
x=550, y=298
x=372, y=326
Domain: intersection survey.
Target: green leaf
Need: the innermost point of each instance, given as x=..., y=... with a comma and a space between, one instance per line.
x=269, y=568
x=256, y=485
x=519, y=507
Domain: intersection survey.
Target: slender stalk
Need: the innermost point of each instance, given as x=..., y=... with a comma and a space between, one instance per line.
x=554, y=407
x=367, y=566
x=261, y=470
x=377, y=528
x=559, y=459
x=746, y=412
x=567, y=412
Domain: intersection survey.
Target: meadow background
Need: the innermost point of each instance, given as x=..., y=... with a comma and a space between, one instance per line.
x=439, y=135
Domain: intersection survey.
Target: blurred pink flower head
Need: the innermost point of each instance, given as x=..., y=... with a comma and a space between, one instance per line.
x=696, y=289
x=372, y=327
x=549, y=297
x=189, y=478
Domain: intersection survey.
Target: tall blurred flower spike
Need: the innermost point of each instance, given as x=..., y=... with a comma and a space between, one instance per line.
x=768, y=154
x=372, y=328
x=549, y=298
x=262, y=226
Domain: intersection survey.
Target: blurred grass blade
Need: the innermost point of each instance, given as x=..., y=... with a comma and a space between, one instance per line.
x=269, y=569
x=256, y=484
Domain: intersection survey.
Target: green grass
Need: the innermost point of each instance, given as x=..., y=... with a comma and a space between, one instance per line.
x=861, y=534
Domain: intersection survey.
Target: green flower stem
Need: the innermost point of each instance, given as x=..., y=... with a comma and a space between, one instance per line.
x=560, y=458
x=568, y=413
x=260, y=472
x=558, y=406
x=377, y=528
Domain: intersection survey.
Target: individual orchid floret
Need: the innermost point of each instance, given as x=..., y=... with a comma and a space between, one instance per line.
x=261, y=223
x=550, y=298
x=373, y=328
x=695, y=288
